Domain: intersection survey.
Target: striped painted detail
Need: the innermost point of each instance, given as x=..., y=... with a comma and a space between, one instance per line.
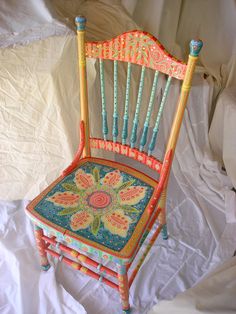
x=115, y=110
x=133, y=153
x=126, y=110
x=133, y=136
x=104, y=112
x=149, y=111
x=158, y=119
x=151, y=53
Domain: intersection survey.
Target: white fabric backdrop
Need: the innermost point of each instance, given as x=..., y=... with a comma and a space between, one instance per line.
x=214, y=294
x=175, y=23
x=39, y=115
x=39, y=109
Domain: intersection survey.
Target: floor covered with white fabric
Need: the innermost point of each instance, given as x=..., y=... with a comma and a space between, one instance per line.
x=39, y=115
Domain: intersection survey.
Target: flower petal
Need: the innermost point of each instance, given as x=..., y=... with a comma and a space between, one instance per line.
x=117, y=222
x=113, y=179
x=81, y=220
x=64, y=199
x=132, y=195
x=84, y=180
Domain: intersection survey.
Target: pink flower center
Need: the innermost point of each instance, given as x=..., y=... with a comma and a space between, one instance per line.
x=99, y=199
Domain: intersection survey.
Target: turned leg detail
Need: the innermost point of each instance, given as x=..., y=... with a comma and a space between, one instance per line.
x=41, y=245
x=124, y=288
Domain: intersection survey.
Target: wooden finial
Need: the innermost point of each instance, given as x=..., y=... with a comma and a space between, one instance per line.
x=80, y=22
x=195, y=47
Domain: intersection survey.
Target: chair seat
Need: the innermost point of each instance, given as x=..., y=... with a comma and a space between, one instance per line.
x=100, y=207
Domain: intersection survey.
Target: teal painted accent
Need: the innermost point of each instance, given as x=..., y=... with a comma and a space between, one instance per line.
x=144, y=137
x=126, y=111
x=115, y=128
x=104, y=125
x=133, y=137
x=125, y=129
x=37, y=228
x=45, y=267
x=128, y=311
x=158, y=119
x=164, y=232
x=81, y=20
x=152, y=142
x=104, y=112
x=50, y=211
x=195, y=47
x=121, y=269
x=146, y=233
x=115, y=111
x=149, y=111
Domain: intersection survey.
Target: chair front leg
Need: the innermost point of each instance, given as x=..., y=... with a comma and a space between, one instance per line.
x=162, y=215
x=124, y=288
x=41, y=245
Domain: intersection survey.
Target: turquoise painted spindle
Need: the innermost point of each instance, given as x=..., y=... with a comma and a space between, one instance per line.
x=115, y=111
x=149, y=111
x=158, y=119
x=126, y=111
x=133, y=136
x=104, y=112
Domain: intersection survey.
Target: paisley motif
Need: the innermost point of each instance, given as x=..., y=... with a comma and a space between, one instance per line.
x=65, y=199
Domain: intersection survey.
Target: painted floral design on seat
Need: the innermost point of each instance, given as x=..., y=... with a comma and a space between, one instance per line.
x=91, y=200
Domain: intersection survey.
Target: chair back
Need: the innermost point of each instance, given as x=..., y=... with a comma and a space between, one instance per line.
x=140, y=48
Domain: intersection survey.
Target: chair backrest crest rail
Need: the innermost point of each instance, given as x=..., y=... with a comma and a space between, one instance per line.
x=137, y=47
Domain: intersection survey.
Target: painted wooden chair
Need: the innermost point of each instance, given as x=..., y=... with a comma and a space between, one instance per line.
x=99, y=208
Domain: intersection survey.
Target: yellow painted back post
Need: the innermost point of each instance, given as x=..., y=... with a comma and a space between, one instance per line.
x=195, y=47
x=80, y=23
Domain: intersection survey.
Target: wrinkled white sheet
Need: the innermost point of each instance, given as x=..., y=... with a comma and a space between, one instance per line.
x=23, y=288
x=213, y=294
x=39, y=97
x=222, y=133
x=171, y=267
x=39, y=115
x=175, y=23
x=25, y=21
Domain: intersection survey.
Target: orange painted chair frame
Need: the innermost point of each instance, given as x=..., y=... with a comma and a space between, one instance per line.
x=142, y=49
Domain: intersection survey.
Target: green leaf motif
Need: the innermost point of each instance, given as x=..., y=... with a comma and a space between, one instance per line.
x=95, y=225
x=115, y=54
x=126, y=184
x=96, y=174
x=130, y=209
x=70, y=187
x=68, y=211
x=139, y=57
x=145, y=53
